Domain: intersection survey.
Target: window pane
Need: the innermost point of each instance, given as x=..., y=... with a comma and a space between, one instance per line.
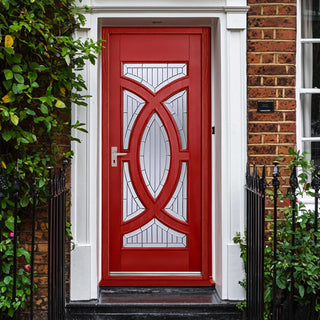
x=311, y=115
x=310, y=19
x=314, y=151
x=311, y=65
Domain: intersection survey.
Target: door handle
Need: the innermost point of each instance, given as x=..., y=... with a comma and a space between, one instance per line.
x=114, y=156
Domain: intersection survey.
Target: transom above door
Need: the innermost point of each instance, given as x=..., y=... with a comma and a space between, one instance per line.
x=156, y=157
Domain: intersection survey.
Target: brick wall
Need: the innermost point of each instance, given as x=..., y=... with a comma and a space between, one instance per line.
x=271, y=77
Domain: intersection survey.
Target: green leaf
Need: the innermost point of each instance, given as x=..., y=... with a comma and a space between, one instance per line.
x=60, y=104
x=7, y=84
x=22, y=140
x=67, y=59
x=42, y=182
x=24, y=202
x=23, y=252
x=16, y=68
x=30, y=112
x=301, y=291
x=14, y=119
x=7, y=279
x=8, y=74
x=6, y=135
x=17, y=58
x=32, y=76
x=281, y=283
x=6, y=268
x=9, y=223
x=18, y=88
x=19, y=78
x=44, y=109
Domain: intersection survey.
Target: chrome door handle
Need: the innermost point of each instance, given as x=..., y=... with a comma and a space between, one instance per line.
x=114, y=156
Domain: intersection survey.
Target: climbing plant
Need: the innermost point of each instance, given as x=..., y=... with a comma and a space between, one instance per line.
x=39, y=81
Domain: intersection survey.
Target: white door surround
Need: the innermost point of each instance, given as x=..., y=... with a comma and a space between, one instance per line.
x=227, y=19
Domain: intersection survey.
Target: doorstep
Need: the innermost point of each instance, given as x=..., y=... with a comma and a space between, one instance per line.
x=141, y=303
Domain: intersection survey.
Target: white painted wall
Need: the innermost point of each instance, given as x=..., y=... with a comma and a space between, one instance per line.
x=227, y=18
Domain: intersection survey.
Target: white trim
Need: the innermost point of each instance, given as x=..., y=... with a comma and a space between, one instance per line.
x=314, y=139
x=229, y=116
x=299, y=90
x=307, y=90
x=311, y=40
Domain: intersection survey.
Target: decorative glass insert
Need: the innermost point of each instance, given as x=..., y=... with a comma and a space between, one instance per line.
x=132, y=205
x=155, y=155
x=155, y=76
x=177, y=205
x=132, y=105
x=177, y=105
x=154, y=234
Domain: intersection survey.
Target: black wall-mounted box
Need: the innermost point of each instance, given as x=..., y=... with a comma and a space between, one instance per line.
x=265, y=106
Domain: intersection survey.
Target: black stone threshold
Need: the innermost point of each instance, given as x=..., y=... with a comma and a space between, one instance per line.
x=148, y=303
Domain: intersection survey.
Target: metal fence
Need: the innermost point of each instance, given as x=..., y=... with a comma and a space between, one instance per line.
x=56, y=248
x=56, y=242
x=255, y=190
x=283, y=303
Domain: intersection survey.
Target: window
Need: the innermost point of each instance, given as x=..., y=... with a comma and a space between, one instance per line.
x=309, y=87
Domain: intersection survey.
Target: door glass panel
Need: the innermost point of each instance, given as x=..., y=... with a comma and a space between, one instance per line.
x=177, y=205
x=155, y=155
x=132, y=205
x=177, y=106
x=155, y=234
x=154, y=76
x=132, y=105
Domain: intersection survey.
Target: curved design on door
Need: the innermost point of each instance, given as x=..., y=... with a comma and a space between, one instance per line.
x=154, y=152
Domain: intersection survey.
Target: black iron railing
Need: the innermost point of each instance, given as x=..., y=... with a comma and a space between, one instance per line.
x=56, y=248
x=283, y=304
x=255, y=190
x=56, y=242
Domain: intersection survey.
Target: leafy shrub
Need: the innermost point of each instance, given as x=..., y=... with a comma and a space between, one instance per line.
x=39, y=81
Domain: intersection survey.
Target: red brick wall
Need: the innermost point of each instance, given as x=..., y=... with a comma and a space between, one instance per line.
x=271, y=77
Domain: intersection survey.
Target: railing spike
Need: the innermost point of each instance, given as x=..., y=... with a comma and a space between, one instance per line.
x=315, y=183
x=294, y=180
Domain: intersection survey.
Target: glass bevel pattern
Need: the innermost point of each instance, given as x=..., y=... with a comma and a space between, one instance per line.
x=154, y=234
x=177, y=105
x=177, y=206
x=155, y=155
x=132, y=205
x=132, y=105
x=154, y=76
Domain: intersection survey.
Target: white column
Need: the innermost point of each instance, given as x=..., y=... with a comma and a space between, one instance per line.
x=85, y=187
x=233, y=156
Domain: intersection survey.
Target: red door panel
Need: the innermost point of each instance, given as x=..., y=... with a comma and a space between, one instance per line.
x=156, y=156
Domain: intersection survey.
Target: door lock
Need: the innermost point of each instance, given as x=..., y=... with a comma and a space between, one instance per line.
x=114, y=156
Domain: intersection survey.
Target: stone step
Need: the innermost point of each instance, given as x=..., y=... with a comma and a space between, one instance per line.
x=156, y=303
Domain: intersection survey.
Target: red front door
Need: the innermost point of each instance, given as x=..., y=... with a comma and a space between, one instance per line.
x=156, y=157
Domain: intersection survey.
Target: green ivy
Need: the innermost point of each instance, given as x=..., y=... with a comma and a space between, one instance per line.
x=39, y=81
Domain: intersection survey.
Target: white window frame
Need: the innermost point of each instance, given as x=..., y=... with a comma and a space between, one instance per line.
x=300, y=90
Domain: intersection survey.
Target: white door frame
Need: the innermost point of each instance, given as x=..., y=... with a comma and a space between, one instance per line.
x=227, y=19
